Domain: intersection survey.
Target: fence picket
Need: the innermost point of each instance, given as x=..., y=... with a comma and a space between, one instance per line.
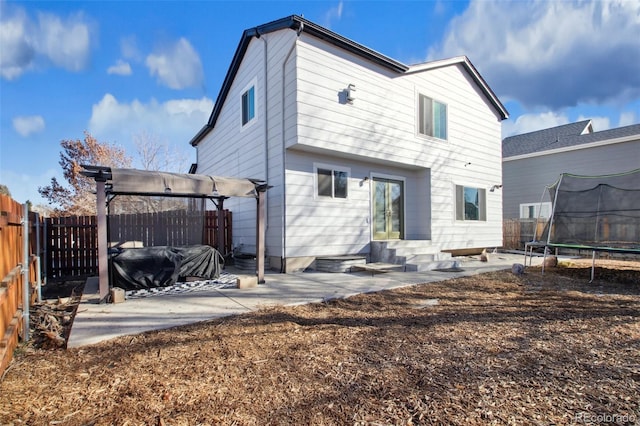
x=11, y=275
x=71, y=242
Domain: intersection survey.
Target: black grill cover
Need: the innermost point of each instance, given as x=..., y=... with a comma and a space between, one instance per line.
x=140, y=268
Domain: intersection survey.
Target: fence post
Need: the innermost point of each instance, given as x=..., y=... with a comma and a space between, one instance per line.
x=25, y=272
x=38, y=257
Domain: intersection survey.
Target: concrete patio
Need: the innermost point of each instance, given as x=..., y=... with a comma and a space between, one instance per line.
x=95, y=322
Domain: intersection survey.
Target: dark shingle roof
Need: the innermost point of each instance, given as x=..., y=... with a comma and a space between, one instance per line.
x=564, y=136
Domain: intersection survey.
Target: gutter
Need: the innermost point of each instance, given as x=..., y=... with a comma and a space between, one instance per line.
x=577, y=147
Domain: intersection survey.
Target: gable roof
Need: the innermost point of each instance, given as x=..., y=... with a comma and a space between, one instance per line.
x=563, y=137
x=300, y=24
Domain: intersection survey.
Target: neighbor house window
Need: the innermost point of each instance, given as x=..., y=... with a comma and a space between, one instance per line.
x=470, y=203
x=248, y=105
x=535, y=210
x=332, y=183
x=432, y=117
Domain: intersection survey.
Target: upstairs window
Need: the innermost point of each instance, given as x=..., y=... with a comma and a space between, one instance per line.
x=248, y=105
x=432, y=118
x=471, y=203
x=332, y=183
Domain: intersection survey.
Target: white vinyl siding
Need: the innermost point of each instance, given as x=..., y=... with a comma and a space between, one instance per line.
x=380, y=127
x=376, y=133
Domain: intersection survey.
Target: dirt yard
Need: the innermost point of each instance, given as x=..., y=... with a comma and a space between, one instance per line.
x=490, y=349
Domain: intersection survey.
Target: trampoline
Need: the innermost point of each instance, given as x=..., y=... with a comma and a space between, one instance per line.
x=595, y=213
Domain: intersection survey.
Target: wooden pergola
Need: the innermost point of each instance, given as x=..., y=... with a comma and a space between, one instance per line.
x=111, y=182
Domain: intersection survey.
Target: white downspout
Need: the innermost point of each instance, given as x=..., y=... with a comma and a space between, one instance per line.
x=266, y=126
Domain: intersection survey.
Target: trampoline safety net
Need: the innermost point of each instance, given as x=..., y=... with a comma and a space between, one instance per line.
x=597, y=211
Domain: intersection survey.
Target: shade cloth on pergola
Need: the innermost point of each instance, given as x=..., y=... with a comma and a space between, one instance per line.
x=143, y=182
x=116, y=181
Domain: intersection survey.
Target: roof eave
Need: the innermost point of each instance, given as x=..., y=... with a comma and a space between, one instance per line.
x=471, y=69
x=297, y=23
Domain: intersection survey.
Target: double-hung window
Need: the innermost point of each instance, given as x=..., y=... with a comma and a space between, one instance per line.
x=471, y=203
x=432, y=117
x=248, y=105
x=332, y=182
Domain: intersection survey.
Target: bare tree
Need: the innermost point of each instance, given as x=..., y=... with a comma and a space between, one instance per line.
x=4, y=190
x=78, y=197
x=158, y=155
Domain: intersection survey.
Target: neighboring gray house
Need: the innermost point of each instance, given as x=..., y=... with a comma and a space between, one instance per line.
x=365, y=155
x=532, y=161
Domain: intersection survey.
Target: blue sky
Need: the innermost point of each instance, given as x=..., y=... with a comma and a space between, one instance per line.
x=127, y=70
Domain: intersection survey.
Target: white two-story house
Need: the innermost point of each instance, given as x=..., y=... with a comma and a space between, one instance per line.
x=364, y=155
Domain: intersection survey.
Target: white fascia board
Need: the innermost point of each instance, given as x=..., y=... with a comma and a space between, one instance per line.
x=573, y=148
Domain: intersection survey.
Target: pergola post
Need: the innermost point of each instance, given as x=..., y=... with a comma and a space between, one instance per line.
x=221, y=226
x=103, y=249
x=260, y=237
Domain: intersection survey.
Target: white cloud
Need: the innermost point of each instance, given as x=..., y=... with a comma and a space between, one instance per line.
x=17, y=51
x=177, y=66
x=526, y=123
x=65, y=43
x=27, y=43
x=334, y=13
x=120, y=68
x=176, y=121
x=628, y=118
x=551, y=53
x=28, y=125
x=129, y=48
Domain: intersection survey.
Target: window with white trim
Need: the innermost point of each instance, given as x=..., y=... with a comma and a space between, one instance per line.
x=471, y=203
x=432, y=117
x=248, y=105
x=332, y=182
x=535, y=210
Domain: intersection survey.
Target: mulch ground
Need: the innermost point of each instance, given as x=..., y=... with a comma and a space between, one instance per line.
x=489, y=349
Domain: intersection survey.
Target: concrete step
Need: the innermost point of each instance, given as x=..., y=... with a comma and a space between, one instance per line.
x=430, y=266
x=377, y=267
x=424, y=258
x=415, y=255
x=339, y=263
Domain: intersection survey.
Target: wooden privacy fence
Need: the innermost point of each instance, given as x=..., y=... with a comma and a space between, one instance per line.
x=12, y=258
x=72, y=242
x=517, y=232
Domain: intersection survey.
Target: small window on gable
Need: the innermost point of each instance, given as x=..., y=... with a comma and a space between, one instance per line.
x=248, y=105
x=432, y=117
x=332, y=183
x=471, y=203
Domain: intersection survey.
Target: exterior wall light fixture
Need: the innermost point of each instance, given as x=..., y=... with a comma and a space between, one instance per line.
x=351, y=96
